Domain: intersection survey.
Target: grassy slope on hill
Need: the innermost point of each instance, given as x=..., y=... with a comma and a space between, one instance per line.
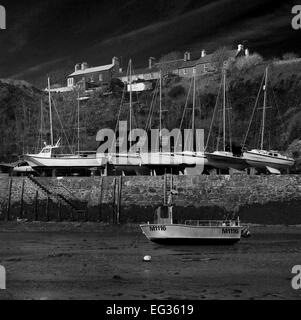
x=20, y=106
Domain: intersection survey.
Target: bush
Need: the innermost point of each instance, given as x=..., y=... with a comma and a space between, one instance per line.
x=177, y=91
x=290, y=56
x=248, y=62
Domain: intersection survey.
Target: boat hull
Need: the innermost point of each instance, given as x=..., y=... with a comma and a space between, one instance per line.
x=224, y=161
x=257, y=160
x=64, y=162
x=186, y=234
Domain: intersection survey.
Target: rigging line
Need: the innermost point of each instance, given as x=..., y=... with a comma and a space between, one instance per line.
x=184, y=111
x=253, y=113
x=213, y=116
x=62, y=128
x=40, y=142
x=148, y=120
x=154, y=102
x=277, y=106
x=121, y=102
x=220, y=129
x=230, y=119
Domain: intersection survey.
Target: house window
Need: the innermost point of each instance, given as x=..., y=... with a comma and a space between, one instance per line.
x=70, y=82
x=206, y=67
x=100, y=77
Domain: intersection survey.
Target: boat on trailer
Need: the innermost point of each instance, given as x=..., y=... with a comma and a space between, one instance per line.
x=165, y=231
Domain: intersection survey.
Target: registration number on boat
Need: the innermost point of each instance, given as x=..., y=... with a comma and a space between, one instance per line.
x=230, y=231
x=157, y=228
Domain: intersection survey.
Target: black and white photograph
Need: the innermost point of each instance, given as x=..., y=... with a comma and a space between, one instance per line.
x=150, y=153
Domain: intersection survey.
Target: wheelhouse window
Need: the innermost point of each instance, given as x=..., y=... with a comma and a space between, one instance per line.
x=164, y=213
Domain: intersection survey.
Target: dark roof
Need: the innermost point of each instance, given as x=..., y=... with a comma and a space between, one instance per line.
x=182, y=64
x=139, y=71
x=207, y=59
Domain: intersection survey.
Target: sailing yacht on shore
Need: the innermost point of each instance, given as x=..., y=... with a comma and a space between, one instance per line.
x=192, y=158
x=161, y=161
x=223, y=159
x=271, y=160
x=49, y=157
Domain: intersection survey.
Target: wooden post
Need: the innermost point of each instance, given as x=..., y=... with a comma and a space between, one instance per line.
x=60, y=211
x=7, y=218
x=164, y=188
x=22, y=199
x=36, y=206
x=100, y=199
x=119, y=200
x=114, y=200
x=47, y=208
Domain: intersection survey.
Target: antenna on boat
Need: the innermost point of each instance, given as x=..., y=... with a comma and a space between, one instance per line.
x=50, y=112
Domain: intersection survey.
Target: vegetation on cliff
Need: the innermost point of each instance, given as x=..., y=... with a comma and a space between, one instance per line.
x=24, y=113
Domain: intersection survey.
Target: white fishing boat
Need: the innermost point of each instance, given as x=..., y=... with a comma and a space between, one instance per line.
x=51, y=158
x=165, y=231
x=271, y=160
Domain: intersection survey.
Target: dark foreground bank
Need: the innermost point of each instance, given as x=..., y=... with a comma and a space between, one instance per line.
x=93, y=261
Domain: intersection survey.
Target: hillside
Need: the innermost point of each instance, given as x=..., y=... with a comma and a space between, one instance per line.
x=20, y=110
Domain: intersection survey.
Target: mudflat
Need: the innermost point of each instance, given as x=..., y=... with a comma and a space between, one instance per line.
x=47, y=261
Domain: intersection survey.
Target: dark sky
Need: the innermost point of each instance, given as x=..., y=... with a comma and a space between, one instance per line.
x=52, y=35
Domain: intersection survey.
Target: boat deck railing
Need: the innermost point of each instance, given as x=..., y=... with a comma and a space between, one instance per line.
x=213, y=223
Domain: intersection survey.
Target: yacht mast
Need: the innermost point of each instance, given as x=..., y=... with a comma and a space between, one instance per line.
x=50, y=113
x=193, y=105
x=264, y=107
x=160, y=125
x=131, y=100
x=78, y=130
x=224, y=109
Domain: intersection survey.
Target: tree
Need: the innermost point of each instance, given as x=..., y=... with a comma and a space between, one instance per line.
x=290, y=56
x=247, y=62
x=219, y=57
x=169, y=62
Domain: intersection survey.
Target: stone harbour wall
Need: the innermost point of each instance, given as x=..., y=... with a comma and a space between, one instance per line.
x=264, y=199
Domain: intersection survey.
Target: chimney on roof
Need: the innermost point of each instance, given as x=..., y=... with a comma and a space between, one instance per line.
x=150, y=62
x=84, y=65
x=77, y=67
x=187, y=56
x=203, y=53
x=115, y=61
x=240, y=48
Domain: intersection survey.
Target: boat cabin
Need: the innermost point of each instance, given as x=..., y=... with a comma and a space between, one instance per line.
x=48, y=151
x=164, y=215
